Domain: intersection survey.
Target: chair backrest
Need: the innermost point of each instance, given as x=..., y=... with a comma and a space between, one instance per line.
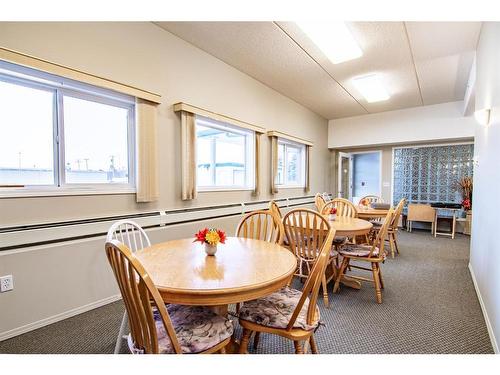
x=369, y=199
x=397, y=213
x=319, y=201
x=382, y=233
x=313, y=281
x=344, y=207
x=139, y=295
x=421, y=212
x=326, y=197
x=262, y=225
x=130, y=234
x=273, y=207
x=306, y=232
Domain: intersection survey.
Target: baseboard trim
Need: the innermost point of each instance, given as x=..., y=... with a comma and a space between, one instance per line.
x=56, y=318
x=493, y=339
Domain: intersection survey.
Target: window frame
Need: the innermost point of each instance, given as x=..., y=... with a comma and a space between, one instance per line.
x=61, y=87
x=302, y=147
x=249, y=155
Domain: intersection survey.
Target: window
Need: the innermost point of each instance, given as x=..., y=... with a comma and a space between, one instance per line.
x=291, y=164
x=431, y=174
x=225, y=156
x=59, y=135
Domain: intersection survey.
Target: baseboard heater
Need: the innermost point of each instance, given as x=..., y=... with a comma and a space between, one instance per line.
x=20, y=236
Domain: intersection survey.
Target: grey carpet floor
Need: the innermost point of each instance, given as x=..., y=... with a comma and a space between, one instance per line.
x=429, y=306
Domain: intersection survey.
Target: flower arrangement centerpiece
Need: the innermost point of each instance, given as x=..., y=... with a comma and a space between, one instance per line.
x=332, y=214
x=210, y=238
x=466, y=186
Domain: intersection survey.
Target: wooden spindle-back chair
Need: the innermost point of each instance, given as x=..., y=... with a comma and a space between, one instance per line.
x=306, y=233
x=262, y=225
x=344, y=207
x=273, y=207
x=140, y=296
x=309, y=292
x=374, y=254
x=393, y=227
x=369, y=199
x=319, y=201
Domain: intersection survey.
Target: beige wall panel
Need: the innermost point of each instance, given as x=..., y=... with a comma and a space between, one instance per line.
x=146, y=56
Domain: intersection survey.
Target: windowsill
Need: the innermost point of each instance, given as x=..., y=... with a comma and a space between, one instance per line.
x=221, y=190
x=280, y=187
x=48, y=192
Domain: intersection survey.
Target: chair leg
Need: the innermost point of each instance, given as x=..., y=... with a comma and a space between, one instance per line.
x=312, y=343
x=325, y=291
x=121, y=333
x=244, y=341
x=256, y=338
x=340, y=273
x=335, y=266
x=299, y=347
x=376, y=280
x=380, y=276
x=395, y=242
x=391, y=243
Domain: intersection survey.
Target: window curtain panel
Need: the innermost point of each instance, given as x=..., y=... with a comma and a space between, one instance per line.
x=256, y=190
x=274, y=164
x=188, y=155
x=307, y=186
x=147, y=151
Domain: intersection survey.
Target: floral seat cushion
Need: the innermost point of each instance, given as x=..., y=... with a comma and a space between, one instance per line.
x=276, y=309
x=197, y=329
x=359, y=250
x=377, y=223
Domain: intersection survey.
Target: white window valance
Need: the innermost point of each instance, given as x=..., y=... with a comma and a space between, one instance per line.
x=75, y=74
x=184, y=107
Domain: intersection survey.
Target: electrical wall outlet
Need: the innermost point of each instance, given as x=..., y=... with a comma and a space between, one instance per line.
x=6, y=283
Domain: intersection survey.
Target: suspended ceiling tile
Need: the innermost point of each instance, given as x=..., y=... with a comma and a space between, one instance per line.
x=264, y=52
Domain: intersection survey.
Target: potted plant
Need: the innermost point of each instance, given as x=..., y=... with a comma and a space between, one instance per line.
x=210, y=238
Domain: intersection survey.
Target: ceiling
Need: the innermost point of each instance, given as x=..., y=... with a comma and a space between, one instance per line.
x=420, y=63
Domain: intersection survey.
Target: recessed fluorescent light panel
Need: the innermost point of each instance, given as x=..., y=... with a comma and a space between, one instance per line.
x=333, y=38
x=371, y=88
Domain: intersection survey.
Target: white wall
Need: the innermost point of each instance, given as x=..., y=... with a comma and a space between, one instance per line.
x=440, y=122
x=485, y=247
x=57, y=280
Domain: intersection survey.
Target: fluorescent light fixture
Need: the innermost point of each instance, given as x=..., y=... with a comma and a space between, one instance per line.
x=483, y=116
x=333, y=38
x=371, y=88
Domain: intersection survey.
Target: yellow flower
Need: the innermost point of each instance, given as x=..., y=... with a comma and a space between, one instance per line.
x=212, y=237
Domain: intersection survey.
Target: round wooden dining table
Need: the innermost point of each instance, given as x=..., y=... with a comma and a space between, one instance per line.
x=350, y=226
x=371, y=213
x=241, y=270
